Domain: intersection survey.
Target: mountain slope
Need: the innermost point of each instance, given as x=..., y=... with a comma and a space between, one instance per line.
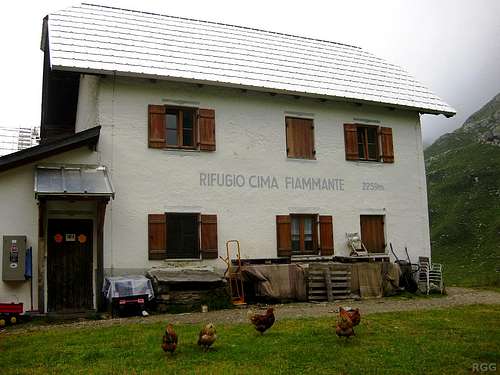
x=463, y=182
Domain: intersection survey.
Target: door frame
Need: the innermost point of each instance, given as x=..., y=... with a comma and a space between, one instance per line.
x=59, y=207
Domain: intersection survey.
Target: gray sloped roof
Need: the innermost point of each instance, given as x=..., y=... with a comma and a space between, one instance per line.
x=88, y=137
x=94, y=38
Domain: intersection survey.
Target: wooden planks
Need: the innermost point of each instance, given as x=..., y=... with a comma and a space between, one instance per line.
x=329, y=282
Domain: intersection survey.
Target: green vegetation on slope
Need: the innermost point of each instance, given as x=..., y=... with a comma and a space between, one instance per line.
x=463, y=178
x=432, y=342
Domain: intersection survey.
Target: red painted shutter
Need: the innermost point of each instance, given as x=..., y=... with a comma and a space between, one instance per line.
x=326, y=235
x=284, y=235
x=206, y=129
x=156, y=126
x=209, y=245
x=351, y=142
x=386, y=144
x=157, y=236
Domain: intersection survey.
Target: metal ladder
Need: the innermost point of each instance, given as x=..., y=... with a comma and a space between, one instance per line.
x=234, y=274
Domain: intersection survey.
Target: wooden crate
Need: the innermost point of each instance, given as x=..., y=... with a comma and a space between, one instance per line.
x=328, y=282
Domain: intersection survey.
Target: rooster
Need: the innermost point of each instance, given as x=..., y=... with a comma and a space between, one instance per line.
x=169, y=343
x=344, y=324
x=263, y=322
x=207, y=336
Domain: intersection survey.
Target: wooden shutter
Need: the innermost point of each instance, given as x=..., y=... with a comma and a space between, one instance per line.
x=157, y=236
x=372, y=233
x=387, y=154
x=351, y=142
x=284, y=235
x=300, y=138
x=209, y=248
x=156, y=126
x=206, y=129
x=326, y=235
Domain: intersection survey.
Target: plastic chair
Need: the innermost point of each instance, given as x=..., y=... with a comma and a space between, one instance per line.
x=430, y=275
x=436, y=277
x=423, y=274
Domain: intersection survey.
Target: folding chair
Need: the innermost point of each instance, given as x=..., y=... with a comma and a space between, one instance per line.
x=355, y=244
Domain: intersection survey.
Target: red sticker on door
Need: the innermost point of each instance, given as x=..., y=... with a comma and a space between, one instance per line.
x=82, y=238
x=58, y=238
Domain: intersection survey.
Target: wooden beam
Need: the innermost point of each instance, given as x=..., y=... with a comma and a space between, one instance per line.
x=41, y=255
x=99, y=277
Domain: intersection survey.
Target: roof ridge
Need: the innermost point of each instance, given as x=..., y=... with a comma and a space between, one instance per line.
x=223, y=24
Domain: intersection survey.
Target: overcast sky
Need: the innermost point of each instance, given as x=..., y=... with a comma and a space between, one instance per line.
x=452, y=46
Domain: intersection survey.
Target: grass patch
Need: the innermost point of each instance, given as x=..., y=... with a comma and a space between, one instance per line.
x=464, y=201
x=431, y=342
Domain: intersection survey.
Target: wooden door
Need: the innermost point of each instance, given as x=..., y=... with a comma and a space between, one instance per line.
x=372, y=233
x=69, y=265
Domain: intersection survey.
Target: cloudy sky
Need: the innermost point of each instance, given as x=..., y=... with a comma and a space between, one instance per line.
x=452, y=46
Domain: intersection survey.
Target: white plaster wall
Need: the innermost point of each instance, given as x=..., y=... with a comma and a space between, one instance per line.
x=19, y=216
x=86, y=114
x=250, y=134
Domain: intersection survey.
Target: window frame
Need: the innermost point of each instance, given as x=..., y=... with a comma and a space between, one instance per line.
x=365, y=143
x=315, y=234
x=313, y=140
x=180, y=111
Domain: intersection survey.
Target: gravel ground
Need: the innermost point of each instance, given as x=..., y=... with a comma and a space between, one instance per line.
x=455, y=297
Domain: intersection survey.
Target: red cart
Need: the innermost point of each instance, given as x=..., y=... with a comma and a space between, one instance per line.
x=10, y=313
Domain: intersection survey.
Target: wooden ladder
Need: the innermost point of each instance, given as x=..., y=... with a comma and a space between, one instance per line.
x=329, y=282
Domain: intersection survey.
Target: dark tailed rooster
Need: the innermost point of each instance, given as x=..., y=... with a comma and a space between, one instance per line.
x=169, y=343
x=263, y=322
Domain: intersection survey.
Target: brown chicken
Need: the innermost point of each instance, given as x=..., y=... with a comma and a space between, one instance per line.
x=355, y=316
x=344, y=324
x=207, y=336
x=263, y=322
x=169, y=343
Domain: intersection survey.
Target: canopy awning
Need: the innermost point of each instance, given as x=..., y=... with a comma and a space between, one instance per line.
x=73, y=180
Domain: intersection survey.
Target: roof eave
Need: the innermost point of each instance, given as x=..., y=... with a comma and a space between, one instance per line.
x=255, y=88
x=88, y=137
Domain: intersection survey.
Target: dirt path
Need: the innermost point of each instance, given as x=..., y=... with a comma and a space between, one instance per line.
x=455, y=297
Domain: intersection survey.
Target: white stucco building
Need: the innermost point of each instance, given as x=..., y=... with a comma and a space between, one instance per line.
x=164, y=137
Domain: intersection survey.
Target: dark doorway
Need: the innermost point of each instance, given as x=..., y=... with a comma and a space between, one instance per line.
x=69, y=265
x=372, y=233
